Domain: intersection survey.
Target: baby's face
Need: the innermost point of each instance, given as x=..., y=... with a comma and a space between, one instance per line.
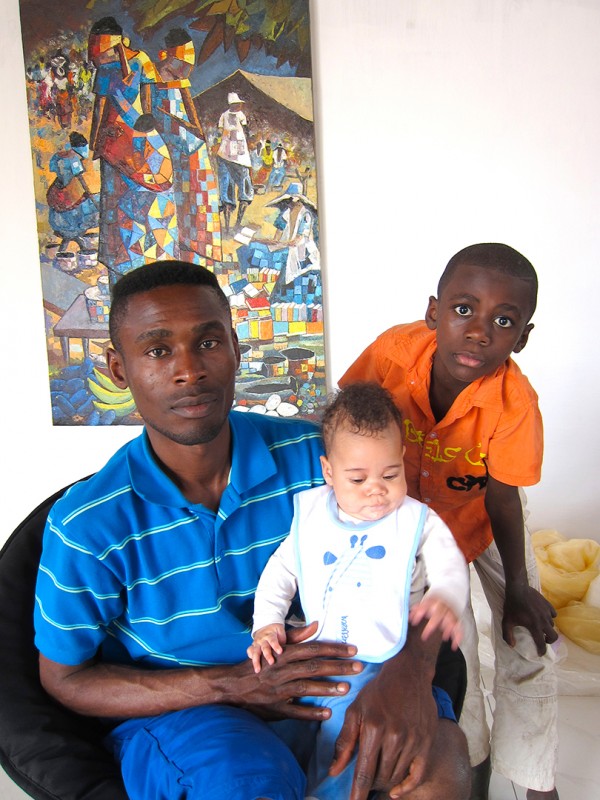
x=366, y=472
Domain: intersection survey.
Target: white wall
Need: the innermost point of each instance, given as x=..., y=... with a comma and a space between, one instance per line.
x=440, y=123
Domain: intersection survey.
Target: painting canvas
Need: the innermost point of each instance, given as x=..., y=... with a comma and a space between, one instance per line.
x=176, y=130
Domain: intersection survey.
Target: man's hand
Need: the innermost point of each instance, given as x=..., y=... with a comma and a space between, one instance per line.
x=112, y=690
x=526, y=607
x=302, y=670
x=392, y=723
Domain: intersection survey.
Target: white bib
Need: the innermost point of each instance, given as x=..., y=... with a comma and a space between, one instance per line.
x=354, y=578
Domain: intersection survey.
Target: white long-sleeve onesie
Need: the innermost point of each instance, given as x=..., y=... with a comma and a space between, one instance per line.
x=358, y=579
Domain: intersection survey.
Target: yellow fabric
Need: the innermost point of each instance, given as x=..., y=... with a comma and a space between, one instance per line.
x=567, y=567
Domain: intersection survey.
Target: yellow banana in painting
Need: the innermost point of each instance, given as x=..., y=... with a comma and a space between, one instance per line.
x=105, y=381
x=120, y=409
x=115, y=397
x=109, y=397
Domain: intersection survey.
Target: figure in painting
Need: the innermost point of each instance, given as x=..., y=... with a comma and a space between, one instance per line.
x=61, y=89
x=297, y=231
x=138, y=221
x=234, y=161
x=263, y=174
x=194, y=182
x=277, y=174
x=73, y=209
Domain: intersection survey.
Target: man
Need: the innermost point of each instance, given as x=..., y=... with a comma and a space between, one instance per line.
x=146, y=584
x=233, y=159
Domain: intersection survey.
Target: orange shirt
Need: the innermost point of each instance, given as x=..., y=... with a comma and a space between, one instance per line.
x=494, y=426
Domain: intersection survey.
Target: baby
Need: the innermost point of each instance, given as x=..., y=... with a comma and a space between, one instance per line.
x=365, y=558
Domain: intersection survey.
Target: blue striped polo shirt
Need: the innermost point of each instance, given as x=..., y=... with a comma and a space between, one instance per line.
x=133, y=570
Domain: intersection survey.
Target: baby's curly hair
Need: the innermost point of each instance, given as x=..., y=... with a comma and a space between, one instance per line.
x=364, y=407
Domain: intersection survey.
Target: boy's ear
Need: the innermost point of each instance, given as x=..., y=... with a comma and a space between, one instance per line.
x=431, y=313
x=524, y=338
x=326, y=469
x=116, y=368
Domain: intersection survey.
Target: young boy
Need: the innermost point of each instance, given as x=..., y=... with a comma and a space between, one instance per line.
x=473, y=435
x=361, y=553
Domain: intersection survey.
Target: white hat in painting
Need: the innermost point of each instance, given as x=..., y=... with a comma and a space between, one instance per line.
x=233, y=97
x=295, y=194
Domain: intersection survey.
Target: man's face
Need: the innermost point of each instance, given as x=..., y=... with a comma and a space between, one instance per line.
x=178, y=354
x=480, y=318
x=366, y=472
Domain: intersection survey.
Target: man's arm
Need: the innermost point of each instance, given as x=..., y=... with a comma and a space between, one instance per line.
x=393, y=722
x=109, y=690
x=523, y=605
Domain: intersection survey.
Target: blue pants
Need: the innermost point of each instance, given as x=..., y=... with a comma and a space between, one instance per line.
x=226, y=753
x=319, y=785
x=233, y=175
x=205, y=753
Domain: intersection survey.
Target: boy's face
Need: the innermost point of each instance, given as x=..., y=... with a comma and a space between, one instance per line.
x=366, y=472
x=481, y=317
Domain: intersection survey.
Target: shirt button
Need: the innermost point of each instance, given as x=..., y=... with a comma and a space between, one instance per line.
x=433, y=435
x=425, y=474
x=427, y=499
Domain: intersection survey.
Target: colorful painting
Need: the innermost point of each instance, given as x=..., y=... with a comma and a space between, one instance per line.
x=176, y=130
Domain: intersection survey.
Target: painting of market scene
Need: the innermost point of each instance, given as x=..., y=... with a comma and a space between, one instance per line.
x=176, y=130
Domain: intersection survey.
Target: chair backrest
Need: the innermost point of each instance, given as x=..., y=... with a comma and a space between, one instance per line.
x=51, y=753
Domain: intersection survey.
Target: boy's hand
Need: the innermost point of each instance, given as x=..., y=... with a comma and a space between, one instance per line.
x=526, y=607
x=523, y=605
x=440, y=617
x=267, y=640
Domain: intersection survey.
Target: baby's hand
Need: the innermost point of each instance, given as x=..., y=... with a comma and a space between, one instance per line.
x=267, y=640
x=440, y=617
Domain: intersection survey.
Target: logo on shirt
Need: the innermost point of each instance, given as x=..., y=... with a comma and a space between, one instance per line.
x=433, y=450
x=465, y=483
x=345, y=633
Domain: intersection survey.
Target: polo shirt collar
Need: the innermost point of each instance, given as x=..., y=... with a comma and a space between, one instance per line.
x=252, y=462
x=148, y=480
x=151, y=483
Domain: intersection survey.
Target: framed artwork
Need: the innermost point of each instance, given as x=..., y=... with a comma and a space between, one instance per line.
x=176, y=130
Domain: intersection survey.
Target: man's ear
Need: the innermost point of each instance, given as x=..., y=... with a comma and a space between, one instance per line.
x=116, y=368
x=236, y=347
x=524, y=338
x=326, y=468
x=431, y=313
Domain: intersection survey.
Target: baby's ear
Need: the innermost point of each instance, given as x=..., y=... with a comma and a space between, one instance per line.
x=524, y=338
x=326, y=468
x=431, y=313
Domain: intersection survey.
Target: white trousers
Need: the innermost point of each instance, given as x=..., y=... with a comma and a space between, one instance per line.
x=524, y=737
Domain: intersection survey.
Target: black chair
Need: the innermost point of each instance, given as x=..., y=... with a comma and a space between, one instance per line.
x=51, y=753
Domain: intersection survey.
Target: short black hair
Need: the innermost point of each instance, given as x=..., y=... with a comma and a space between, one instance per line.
x=77, y=139
x=497, y=257
x=176, y=37
x=363, y=407
x=153, y=276
x=106, y=25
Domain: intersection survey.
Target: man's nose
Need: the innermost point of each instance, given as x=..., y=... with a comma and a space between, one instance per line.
x=190, y=365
